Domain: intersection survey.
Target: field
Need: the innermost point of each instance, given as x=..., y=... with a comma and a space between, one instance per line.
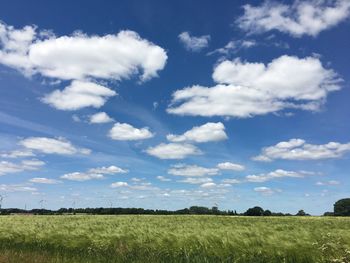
x=83, y=238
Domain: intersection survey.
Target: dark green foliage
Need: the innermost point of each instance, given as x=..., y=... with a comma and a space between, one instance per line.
x=342, y=207
x=302, y=213
x=255, y=211
x=328, y=214
x=267, y=213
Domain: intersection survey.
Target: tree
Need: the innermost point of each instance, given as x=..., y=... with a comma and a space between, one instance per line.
x=301, y=213
x=328, y=214
x=342, y=207
x=267, y=213
x=255, y=211
x=215, y=210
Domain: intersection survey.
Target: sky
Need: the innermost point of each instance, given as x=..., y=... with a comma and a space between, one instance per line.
x=165, y=105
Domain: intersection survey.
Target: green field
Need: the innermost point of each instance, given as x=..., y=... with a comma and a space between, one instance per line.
x=173, y=239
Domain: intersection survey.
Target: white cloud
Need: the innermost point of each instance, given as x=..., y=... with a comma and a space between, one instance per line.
x=205, y=133
x=230, y=166
x=32, y=164
x=297, y=19
x=82, y=59
x=81, y=177
x=208, y=185
x=163, y=178
x=247, y=89
x=18, y=154
x=264, y=190
x=331, y=182
x=94, y=173
x=42, y=180
x=173, y=150
x=196, y=180
x=78, y=95
x=119, y=184
x=52, y=146
x=15, y=45
x=25, y=165
x=100, y=117
x=126, y=132
x=193, y=43
x=279, y=173
x=231, y=181
x=298, y=149
x=80, y=56
x=145, y=186
x=108, y=170
x=135, y=179
x=192, y=170
x=234, y=46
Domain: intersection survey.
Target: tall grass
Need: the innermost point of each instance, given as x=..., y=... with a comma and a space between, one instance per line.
x=173, y=239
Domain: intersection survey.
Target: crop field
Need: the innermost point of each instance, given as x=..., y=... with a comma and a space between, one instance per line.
x=85, y=238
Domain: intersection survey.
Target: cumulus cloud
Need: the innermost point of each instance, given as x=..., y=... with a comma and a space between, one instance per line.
x=192, y=43
x=297, y=19
x=81, y=177
x=298, y=149
x=119, y=184
x=208, y=185
x=126, y=132
x=43, y=180
x=94, y=173
x=192, y=170
x=100, y=117
x=80, y=56
x=196, y=180
x=247, y=89
x=279, y=173
x=144, y=186
x=230, y=166
x=231, y=181
x=173, y=150
x=25, y=165
x=78, y=95
x=108, y=170
x=52, y=146
x=205, y=133
x=18, y=154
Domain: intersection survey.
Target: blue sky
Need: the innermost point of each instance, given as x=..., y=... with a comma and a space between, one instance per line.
x=165, y=105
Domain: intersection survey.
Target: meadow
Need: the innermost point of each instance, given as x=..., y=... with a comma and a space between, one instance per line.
x=178, y=238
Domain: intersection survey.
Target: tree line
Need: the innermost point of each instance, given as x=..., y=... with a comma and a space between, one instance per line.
x=341, y=208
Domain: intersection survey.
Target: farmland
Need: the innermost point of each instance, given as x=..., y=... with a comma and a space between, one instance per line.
x=141, y=238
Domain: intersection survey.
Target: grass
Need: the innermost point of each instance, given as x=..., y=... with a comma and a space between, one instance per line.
x=84, y=238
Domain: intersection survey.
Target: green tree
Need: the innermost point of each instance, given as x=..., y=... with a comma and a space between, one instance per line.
x=267, y=213
x=301, y=213
x=255, y=211
x=342, y=207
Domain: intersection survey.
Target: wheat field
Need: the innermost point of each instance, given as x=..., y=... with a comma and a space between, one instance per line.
x=88, y=238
